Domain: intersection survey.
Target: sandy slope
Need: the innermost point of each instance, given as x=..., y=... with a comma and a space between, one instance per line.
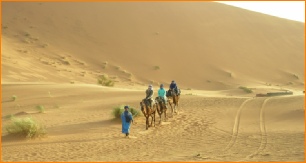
x=201, y=45
x=53, y=53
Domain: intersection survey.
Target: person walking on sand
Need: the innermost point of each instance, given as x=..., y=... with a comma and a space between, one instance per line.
x=127, y=119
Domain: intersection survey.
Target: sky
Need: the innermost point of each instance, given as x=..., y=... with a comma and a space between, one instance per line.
x=293, y=10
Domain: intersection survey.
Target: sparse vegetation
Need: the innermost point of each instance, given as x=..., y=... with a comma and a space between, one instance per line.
x=289, y=83
x=65, y=62
x=247, y=90
x=105, y=81
x=129, y=74
x=105, y=65
x=27, y=34
x=296, y=76
x=10, y=116
x=117, y=67
x=188, y=88
x=40, y=108
x=229, y=74
x=26, y=127
x=208, y=81
x=156, y=67
x=14, y=98
x=117, y=111
x=44, y=45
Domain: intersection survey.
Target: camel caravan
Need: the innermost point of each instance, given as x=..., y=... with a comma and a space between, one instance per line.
x=149, y=105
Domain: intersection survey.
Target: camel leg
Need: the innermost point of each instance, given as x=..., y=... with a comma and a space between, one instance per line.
x=177, y=103
x=151, y=120
x=160, y=112
x=160, y=118
x=154, y=117
x=147, y=123
x=172, y=109
x=165, y=112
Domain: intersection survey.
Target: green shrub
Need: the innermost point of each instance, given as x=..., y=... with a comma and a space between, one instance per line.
x=156, y=67
x=247, y=90
x=25, y=127
x=14, y=97
x=10, y=116
x=40, y=108
x=117, y=111
x=104, y=80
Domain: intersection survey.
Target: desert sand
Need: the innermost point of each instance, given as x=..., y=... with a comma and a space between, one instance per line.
x=53, y=54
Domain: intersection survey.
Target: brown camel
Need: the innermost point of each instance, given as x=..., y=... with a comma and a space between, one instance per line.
x=161, y=108
x=174, y=99
x=148, y=111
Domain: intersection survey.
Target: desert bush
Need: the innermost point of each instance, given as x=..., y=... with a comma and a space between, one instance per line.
x=25, y=127
x=27, y=34
x=117, y=111
x=10, y=116
x=247, y=90
x=289, y=83
x=104, y=80
x=156, y=67
x=45, y=45
x=14, y=97
x=40, y=108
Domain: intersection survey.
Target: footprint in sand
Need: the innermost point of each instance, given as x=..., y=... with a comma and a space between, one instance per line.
x=132, y=137
x=145, y=132
x=165, y=123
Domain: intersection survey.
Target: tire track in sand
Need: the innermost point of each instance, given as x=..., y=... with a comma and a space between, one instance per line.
x=236, y=127
x=263, y=141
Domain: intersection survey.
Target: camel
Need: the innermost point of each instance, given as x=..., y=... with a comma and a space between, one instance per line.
x=148, y=111
x=161, y=108
x=174, y=99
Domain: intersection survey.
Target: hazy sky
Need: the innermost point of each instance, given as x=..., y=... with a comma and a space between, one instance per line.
x=294, y=10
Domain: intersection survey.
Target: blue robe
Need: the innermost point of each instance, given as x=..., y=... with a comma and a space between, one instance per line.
x=126, y=125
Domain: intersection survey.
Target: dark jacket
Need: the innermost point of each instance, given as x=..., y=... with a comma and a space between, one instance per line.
x=149, y=93
x=173, y=86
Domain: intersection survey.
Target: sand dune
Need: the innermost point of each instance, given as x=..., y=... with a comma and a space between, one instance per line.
x=54, y=53
x=217, y=39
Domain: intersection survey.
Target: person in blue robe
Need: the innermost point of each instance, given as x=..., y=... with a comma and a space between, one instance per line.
x=127, y=119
